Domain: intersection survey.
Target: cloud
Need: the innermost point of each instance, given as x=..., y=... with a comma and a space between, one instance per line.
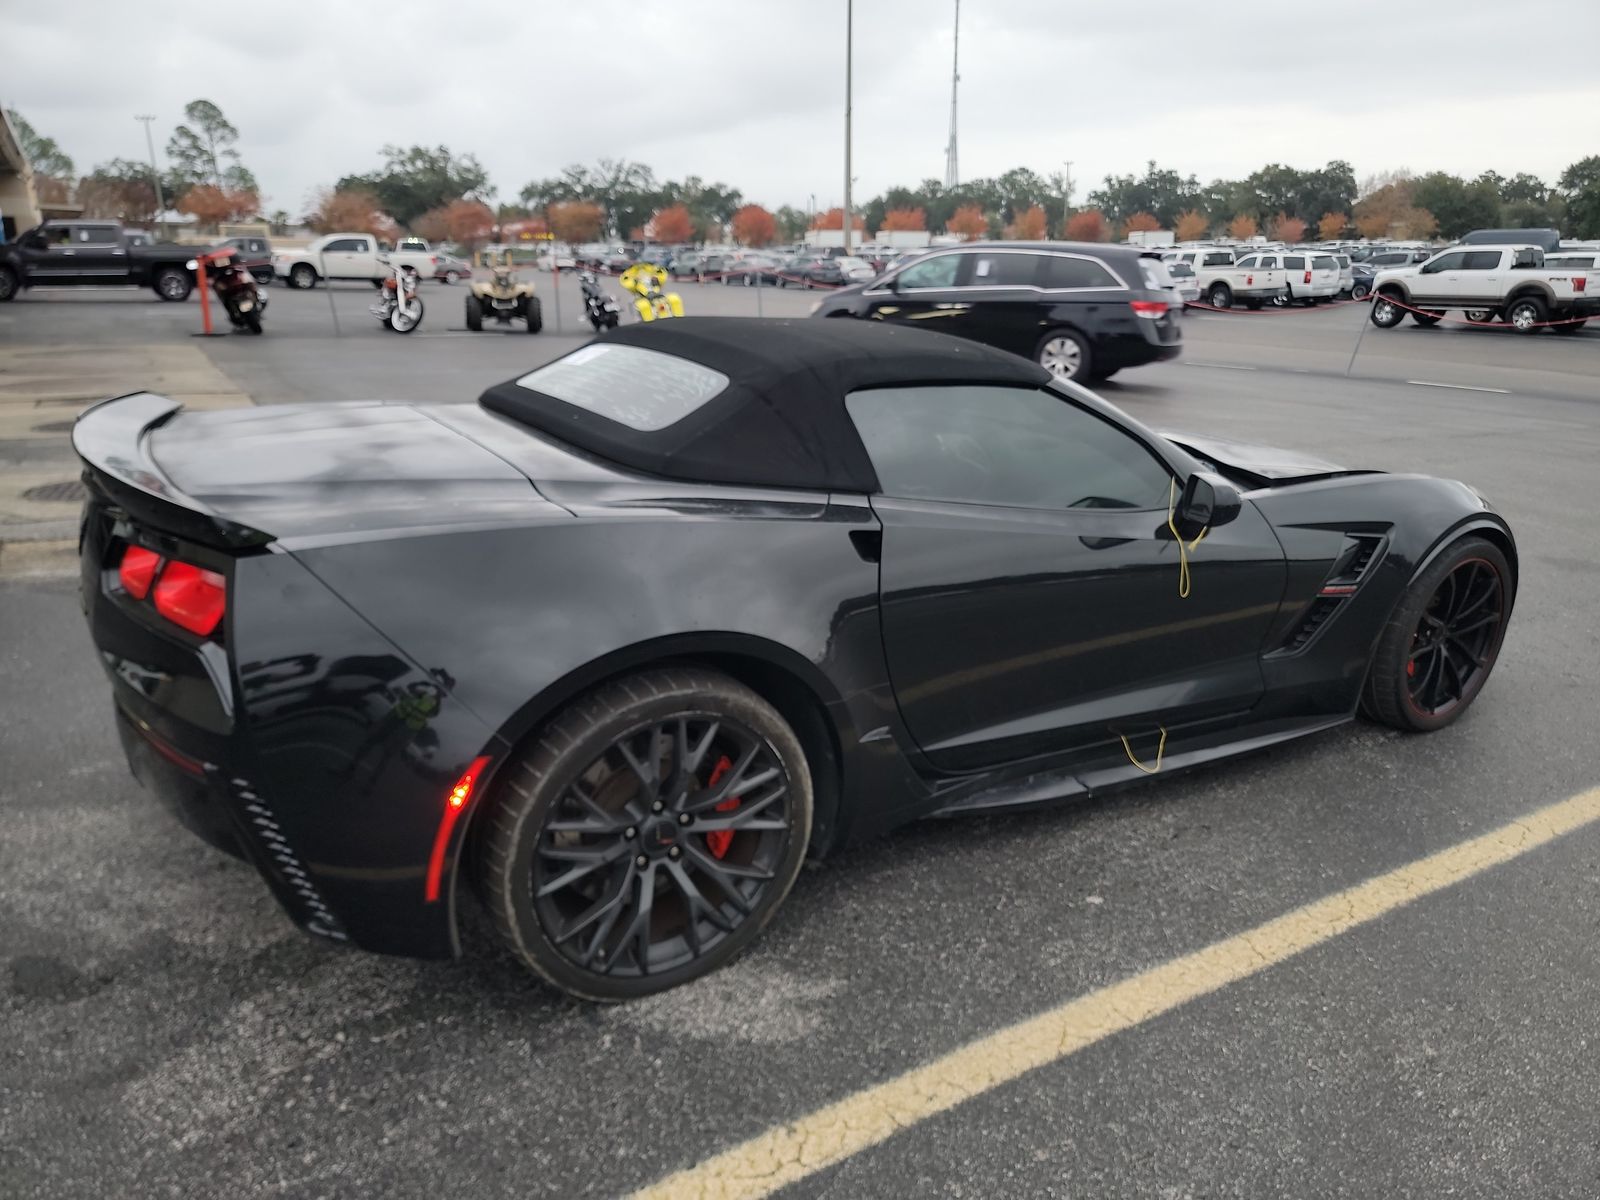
x=753, y=94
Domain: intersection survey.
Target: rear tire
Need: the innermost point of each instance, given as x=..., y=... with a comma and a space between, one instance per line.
x=1417, y=640
x=608, y=769
x=1526, y=314
x=1386, y=311
x=1481, y=316
x=535, y=314
x=1065, y=354
x=474, y=315
x=1571, y=326
x=1426, y=319
x=8, y=284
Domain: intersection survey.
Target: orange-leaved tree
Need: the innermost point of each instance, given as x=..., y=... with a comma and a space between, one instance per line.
x=1088, y=226
x=754, y=225
x=1288, y=229
x=670, y=224
x=210, y=204
x=576, y=220
x=1243, y=227
x=467, y=222
x=1191, y=226
x=902, y=219
x=833, y=218
x=354, y=210
x=1141, y=222
x=967, y=223
x=1029, y=225
x=1332, y=226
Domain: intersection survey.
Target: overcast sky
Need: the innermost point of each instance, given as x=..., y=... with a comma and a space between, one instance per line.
x=751, y=92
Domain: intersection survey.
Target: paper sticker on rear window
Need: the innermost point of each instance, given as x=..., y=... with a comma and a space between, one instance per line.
x=642, y=389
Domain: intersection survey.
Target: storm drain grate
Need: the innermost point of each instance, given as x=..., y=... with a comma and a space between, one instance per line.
x=63, y=492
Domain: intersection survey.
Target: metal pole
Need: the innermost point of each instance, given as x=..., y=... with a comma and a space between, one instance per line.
x=1350, y=366
x=155, y=172
x=952, y=170
x=1066, y=195
x=327, y=284
x=849, y=49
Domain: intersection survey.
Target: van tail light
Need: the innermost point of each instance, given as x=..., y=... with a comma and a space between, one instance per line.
x=1150, y=310
x=1308, y=276
x=192, y=597
x=137, y=570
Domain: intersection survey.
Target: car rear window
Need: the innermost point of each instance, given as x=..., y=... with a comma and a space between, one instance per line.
x=1180, y=270
x=642, y=389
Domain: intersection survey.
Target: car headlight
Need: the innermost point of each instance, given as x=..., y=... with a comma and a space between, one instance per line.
x=191, y=264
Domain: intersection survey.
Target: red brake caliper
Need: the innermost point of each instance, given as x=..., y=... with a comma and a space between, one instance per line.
x=718, y=840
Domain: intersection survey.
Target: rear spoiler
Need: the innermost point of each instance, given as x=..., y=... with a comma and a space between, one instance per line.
x=113, y=440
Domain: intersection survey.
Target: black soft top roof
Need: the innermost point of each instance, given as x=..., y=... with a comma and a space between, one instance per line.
x=781, y=421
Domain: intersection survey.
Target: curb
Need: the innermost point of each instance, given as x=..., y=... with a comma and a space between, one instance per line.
x=56, y=558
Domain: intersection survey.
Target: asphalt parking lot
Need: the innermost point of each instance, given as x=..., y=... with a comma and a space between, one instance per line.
x=171, y=1034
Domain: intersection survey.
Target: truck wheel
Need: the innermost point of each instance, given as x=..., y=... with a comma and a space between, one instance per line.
x=8, y=284
x=1572, y=326
x=1426, y=319
x=1481, y=316
x=303, y=276
x=1220, y=296
x=1386, y=314
x=173, y=283
x=474, y=315
x=1526, y=314
x=535, y=314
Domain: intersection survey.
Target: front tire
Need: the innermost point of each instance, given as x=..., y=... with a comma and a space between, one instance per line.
x=8, y=284
x=404, y=319
x=1220, y=296
x=1442, y=640
x=1571, y=326
x=303, y=276
x=1065, y=354
x=647, y=835
x=474, y=314
x=1360, y=292
x=535, y=314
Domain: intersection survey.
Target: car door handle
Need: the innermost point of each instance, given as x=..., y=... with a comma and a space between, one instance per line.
x=950, y=307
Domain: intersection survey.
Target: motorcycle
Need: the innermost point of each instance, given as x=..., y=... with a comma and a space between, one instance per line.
x=243, y=299
x=399, y=307
x=602, y=310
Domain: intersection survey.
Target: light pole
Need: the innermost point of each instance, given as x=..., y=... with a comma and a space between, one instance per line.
x=849, y=48
x=1066, y=195
x=155, y=171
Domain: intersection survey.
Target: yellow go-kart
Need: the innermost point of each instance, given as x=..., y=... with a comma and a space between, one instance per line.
x=648, y=283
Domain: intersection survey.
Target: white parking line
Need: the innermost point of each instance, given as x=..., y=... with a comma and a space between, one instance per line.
x=1219, y=366
x=1460, y=387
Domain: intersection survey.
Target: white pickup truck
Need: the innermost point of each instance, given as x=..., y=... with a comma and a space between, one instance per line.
x=350, y=256
x=1223, y=283
x=1485, y=283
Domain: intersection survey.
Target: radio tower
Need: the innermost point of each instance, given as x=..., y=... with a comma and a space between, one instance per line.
x=952, y=174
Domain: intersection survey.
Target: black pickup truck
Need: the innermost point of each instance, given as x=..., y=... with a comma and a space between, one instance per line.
x=94, y=254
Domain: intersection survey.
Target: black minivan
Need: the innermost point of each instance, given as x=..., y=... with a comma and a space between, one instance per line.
x=1082, y=310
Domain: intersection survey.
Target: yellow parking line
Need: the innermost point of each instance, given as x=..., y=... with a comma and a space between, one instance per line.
x=789, y=1153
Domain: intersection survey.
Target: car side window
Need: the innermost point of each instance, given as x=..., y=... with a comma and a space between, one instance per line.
x=1065, y=271
x=340, y=245
x=1446, y=262
x=1248, y=263
x=1481, y=260
x=1000, y=270
x=1013, y=447
x=937, y=272
x=1295, y=262
x=59, y=235
x=1219, y=259
x=1268, y=263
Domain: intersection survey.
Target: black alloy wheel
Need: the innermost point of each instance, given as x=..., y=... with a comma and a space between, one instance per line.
x=648, y=835
x=173, y=284
x=1438, y=648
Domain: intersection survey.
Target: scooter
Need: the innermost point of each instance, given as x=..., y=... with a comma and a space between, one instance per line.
x=243, y=299
x=399, y=307
x=602, y=310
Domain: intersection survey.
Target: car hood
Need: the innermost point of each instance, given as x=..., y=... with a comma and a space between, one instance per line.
x=1261, y=466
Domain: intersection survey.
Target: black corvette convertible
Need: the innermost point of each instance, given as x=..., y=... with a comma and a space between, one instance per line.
x=617, y=647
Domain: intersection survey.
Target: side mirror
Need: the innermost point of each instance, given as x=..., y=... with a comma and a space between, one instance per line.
x=1208, y=501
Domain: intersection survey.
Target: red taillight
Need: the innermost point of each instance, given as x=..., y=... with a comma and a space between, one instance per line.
x=1308, y=276
x=192, y=597
x=1579, y=282
x=137, y=569
x=1149, y=309
x=455, y=803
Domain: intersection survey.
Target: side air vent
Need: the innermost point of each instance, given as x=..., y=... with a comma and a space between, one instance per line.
x=1321, y=609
